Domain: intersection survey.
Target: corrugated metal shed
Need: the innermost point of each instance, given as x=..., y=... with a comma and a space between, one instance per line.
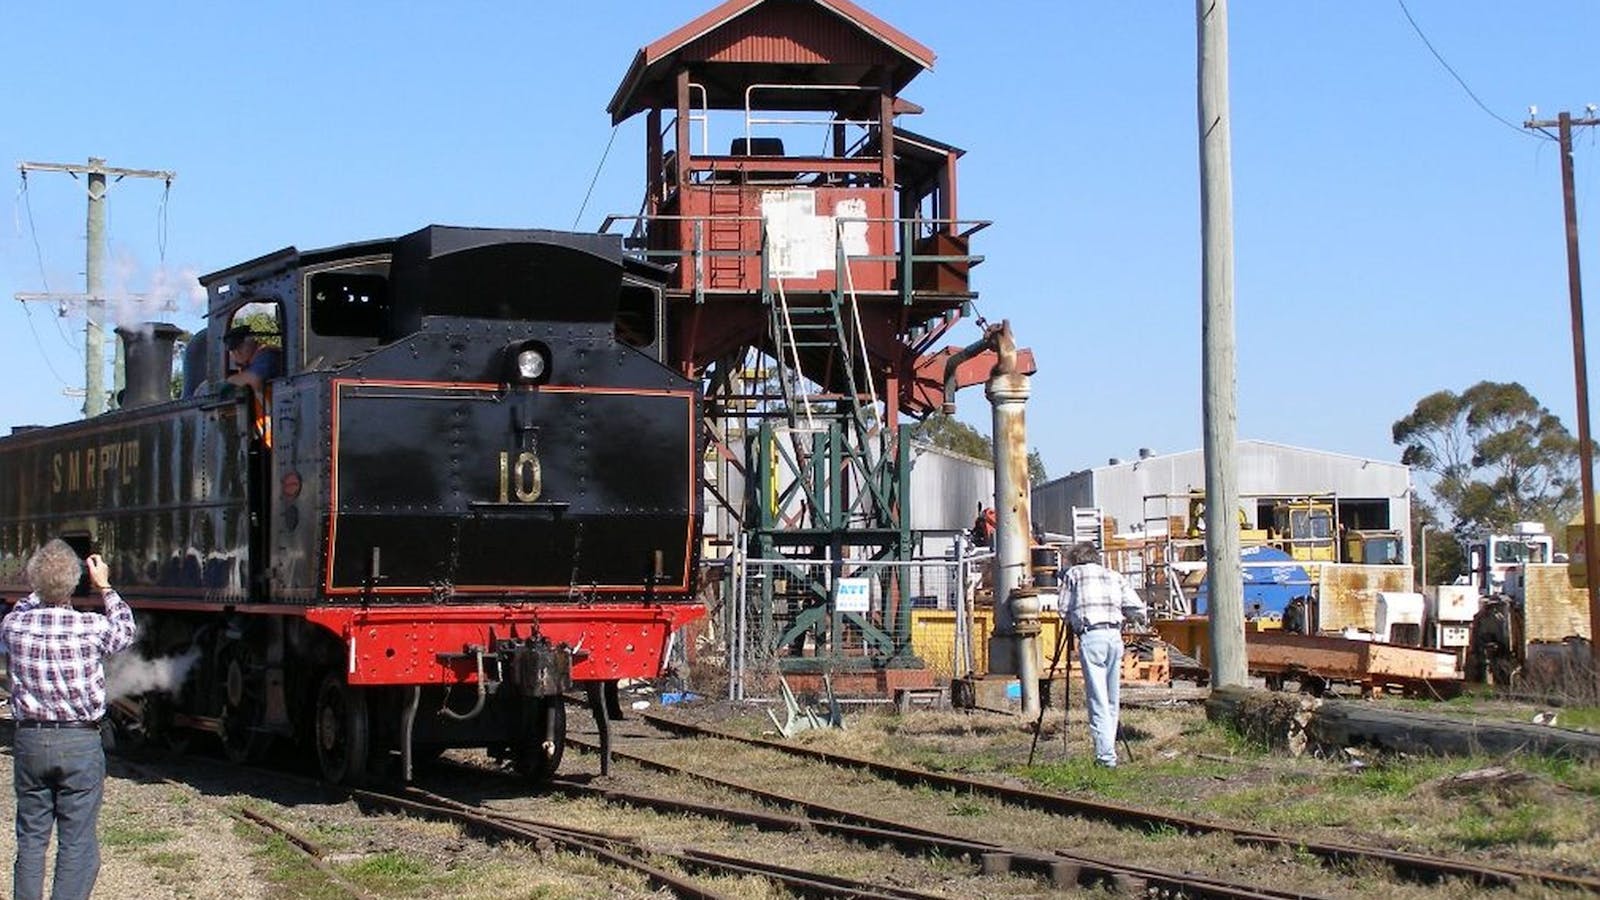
x=947, y=487
x=1121, y=489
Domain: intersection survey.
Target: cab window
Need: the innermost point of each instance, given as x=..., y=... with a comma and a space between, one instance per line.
x=263, y=319
x=345, y=304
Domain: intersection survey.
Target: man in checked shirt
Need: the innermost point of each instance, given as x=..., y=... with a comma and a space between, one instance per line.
x=1095, y=601
x=58, y=696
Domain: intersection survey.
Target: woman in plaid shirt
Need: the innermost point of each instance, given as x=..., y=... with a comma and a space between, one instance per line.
x=58, y=696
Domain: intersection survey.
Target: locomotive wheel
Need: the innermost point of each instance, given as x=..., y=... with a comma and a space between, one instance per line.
x=342, y=732
x=541, y=716
x=243, y=708
x=153, y=726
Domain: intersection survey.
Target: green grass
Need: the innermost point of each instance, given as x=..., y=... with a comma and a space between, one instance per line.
x=1524, y=824
x=1273, y=807
x=1221, y=738
x=1162, y=832
x=288, y=873
x=335, y=836
x=968, y=808
x=118, y=834
x=389, y=872
x=1579, y=717
x=1190, y=767
x=1394, y=779
x=167, y=859
x=940, y=761
x=1079, y=773
x=1581, y=777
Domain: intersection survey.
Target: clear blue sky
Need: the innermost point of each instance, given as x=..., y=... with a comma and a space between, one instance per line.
x=1392, y=239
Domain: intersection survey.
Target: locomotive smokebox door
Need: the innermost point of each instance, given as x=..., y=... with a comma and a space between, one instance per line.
x=534, y=667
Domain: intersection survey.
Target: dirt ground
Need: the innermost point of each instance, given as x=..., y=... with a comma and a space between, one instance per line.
x=155, y=841
x=159, y=840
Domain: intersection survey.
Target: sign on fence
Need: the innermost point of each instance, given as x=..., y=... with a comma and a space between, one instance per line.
x=853, y=595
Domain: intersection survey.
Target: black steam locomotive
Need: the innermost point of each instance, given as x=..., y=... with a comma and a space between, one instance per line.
x=472, y=487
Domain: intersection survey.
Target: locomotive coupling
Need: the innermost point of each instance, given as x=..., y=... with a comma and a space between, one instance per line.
x=531, y=666
x=534, y=667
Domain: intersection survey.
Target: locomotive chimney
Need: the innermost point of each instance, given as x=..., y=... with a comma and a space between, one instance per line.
x=148, y=351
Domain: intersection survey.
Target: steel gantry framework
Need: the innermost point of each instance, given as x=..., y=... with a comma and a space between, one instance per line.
x=809, y=293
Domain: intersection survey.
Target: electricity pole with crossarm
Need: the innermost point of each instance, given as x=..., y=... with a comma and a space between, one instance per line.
x=96, y=173
x=1564, y=124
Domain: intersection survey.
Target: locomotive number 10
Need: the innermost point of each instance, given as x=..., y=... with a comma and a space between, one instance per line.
x=520, y=478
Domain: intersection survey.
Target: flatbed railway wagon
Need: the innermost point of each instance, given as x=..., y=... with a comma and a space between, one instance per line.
x=472, y=488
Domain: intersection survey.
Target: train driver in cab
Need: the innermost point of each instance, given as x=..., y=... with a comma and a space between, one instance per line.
x=253, y=363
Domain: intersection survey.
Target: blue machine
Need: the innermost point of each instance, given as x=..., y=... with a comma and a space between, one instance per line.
x=1267, y=588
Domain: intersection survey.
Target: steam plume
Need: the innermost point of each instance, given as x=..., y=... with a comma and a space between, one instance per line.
x=128, y=675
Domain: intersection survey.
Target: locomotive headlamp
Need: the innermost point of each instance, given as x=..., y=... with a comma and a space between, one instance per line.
x=530, y=364
x=525, y=362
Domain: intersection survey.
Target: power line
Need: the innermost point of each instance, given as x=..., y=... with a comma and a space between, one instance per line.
x=44, y=280
x=38, y=254
x=98, y=179
x=1453, y=74
x=596, y=178
x=39, y=345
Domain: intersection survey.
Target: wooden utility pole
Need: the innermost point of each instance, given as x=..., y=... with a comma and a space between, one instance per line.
x=1224, y=578
x=1580, y=365
x=94, y=352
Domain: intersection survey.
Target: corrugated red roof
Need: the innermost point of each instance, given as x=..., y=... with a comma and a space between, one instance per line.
x=835, y=34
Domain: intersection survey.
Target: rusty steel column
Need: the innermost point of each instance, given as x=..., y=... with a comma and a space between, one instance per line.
x=1024, y=604
x=1007, y=391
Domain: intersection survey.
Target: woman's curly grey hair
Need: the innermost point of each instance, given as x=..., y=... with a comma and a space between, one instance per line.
x=1082, y=554
x=54, y=571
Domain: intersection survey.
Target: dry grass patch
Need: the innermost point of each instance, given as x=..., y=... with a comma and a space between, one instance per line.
x=1182, y=762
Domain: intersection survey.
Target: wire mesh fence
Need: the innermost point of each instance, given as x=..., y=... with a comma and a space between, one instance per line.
x=773, y=616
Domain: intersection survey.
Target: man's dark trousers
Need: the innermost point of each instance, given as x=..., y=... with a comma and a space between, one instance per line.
x=59, y=776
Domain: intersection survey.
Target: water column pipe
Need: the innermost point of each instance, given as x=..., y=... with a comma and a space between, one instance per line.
x=1012, y=648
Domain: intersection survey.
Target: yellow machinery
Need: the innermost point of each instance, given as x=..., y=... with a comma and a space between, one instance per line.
x=1374, y=547
x=1305, y=530
x=1197, y=523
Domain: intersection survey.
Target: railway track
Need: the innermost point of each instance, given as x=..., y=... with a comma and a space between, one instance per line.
x=671, y=868
x=631, y=853
x=1061, y=869
x=1409, y=866
x=655, y=863
x=309, y=850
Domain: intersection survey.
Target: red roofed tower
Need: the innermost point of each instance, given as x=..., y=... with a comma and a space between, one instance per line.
x=819, y=257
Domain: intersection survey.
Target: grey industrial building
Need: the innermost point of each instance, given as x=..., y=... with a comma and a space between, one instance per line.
x=1140, y=494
